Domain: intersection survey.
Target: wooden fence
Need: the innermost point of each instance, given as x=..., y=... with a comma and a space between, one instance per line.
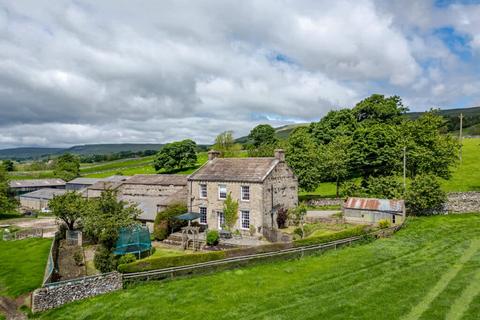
x=247, y=259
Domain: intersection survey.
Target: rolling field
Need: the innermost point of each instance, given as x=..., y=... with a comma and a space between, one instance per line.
x=428, y=270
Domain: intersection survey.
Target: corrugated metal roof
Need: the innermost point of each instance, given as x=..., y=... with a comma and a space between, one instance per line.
x=34, y=183
x=386, y=205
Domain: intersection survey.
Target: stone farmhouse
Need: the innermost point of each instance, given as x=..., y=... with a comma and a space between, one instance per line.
x=260, y=185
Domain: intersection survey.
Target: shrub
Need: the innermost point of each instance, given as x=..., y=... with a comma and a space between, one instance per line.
x=251, y=230
x=212, y=237
x=383, y=224
x=104, y=260
x=127, y=258
x=165, y=221
x=355, y=231
x=166, y=262
x=282, y=216
x=425, y=196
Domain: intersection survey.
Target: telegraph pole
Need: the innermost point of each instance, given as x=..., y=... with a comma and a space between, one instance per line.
x=460, y=137
x=405, y=168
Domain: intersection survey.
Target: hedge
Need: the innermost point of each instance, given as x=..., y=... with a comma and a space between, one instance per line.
x=355, y=231
x=271, y=247
x=167, y=262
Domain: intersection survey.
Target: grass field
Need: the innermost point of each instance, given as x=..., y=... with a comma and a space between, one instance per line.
x=429, y=270
x=22, y=265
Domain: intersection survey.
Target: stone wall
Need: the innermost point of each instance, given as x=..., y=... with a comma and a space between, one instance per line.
x=465, y=202
x=56, y=294
x=325, y=202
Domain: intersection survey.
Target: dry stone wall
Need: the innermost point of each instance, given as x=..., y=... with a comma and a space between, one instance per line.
x=56, y=294
x=463, y=202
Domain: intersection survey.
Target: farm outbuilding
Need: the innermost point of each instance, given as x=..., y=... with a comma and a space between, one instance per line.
x=38, y=200
x=19, y=187
x=370, y=210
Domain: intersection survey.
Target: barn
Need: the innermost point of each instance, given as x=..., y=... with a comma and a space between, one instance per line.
x=371, y=210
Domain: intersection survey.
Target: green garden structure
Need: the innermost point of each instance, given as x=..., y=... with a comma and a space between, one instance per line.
x=135, y=240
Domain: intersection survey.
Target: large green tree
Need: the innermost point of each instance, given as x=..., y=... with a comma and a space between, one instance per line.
x=176, y=155
x=335, y=160
x=106, y=216
x=225, y=144
x=378, y=109
x=262, y=141
x=336, y=123
x=7, y=204
x=67, y=167
x=303, y=157
x=8, y=165
x=69, y=207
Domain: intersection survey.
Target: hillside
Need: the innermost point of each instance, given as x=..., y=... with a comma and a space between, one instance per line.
x=428, y=270
x=88, y=149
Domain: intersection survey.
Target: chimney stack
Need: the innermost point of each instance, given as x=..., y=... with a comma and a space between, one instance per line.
x=280, y=154
x=212, y=154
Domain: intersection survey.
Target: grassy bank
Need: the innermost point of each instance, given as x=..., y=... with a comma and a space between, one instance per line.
x=427, y=270
x=22, y=265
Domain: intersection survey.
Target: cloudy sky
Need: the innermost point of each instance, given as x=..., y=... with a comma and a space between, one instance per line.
x=75, y=72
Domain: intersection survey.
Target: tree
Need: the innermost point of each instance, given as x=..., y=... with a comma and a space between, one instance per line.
x=7, y=203
x=69, y=208
x=429, y=151
x=230, y=212
x=67, y=167
x=165, y=221
x=176, y=155
x=105, y=217
x=425, y=196
x=335, y=160
x=9, y=165
x=378, y=109
x=336, y=123
x=297, y=215
x=225, y=144
x=262, y=141
x=302, y=156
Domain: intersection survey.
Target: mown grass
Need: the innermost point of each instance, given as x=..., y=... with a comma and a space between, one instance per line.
x=22, y=265
x=385, y=279
x=466, y=176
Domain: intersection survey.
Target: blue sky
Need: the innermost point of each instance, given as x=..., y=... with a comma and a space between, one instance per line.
x=111, y=71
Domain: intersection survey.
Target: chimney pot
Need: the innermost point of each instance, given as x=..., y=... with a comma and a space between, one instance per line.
x=280, y=154
x=212, y=154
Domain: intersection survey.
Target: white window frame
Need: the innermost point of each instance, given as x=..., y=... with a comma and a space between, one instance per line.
x=242, y=219
x=220, y=219
x=242, y=196
x=202, y=185
x=220, y=186
x=201, y=215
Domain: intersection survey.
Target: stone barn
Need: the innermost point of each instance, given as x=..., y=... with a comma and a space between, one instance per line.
x=19, y=187
x=371, y=211
x=38, y=199
x=153, y=193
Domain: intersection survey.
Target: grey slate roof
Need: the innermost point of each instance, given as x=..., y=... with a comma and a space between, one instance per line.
x=148, y=205
x=235, y=169
x=35, y=183
x=112, y=182
x=45, y=194
x=85, y=181
x=158, y=179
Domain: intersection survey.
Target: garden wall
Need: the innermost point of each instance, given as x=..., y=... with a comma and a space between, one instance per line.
x=325, y=202
x=56, y=294
x=463, y=202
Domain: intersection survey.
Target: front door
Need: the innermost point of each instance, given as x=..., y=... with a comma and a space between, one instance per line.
x=221, y=219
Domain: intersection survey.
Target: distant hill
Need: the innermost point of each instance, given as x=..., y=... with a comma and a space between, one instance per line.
x=89, y=149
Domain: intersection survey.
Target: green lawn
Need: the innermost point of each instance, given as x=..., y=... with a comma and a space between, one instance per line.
x=466, y=176
x=22, y=265
x=428, y=270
